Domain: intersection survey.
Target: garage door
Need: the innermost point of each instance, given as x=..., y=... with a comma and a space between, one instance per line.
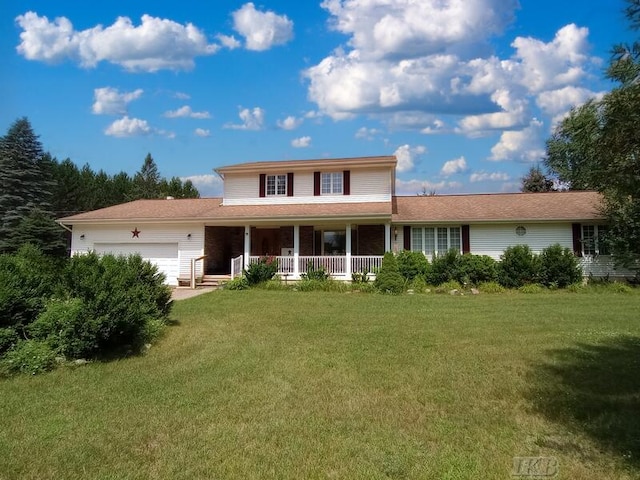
x=163, y=255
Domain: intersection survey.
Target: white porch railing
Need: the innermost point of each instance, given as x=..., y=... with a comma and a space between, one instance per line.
x=236, y=266
x=334, y=265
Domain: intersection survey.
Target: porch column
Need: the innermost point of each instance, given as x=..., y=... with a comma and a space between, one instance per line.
x=247, y=245
x=296, y=250
x=347, y=267
x=387, y=237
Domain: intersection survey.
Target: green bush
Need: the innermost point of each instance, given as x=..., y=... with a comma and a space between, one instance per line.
x=531, y=288
x=364, y=287
x=476, y=269
x=238, y=283
x=261, y=271
x=412, y=264
x=491, y=287
x=445, y=267
x=307, y=285
x=357, y=277
x=448, y=286
x=418, y=285
x=559, y=267
x=29, y=356
x=518, y=266
x=8, y=338
x=274, y=284
x=318, y=274
x=389, y=279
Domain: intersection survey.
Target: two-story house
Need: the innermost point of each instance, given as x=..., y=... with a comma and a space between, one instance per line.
x=339, y=214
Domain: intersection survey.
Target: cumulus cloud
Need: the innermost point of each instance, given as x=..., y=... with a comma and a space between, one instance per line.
x=415, y=186
x=182, y=96
x=155, y=44
x=407, y=156
x=128, y=127
x=489, y=177
x=367, y=133
x=261, y=30
x=526, y=145
x=558, y=103
x=251, y=119
x=202, y=132
x=290, y=123
x=229, y=41
x=208, y=185
x=302, y=142
x=186, y=111
x=457, y=165
x=109, y=101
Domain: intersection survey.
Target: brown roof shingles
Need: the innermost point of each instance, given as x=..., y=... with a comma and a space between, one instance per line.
x=557, y=206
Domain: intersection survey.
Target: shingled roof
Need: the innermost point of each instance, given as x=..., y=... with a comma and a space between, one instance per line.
x=501, y=207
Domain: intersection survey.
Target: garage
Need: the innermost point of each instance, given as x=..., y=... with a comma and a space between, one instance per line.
x=163, y=255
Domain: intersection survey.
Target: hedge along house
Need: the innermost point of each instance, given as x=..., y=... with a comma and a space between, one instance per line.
x=338, y=214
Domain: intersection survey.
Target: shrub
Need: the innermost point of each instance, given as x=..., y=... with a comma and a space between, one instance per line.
x=559, y=267
x=531, y=288
x=274, y=285
x=29, y=356
x=238, y=283
x=412, y=264
x=519, y=266
x=8, y=338
x=618, y=287
x=476, y=269
x=307, y=285
x=261, y=271
x=388, y=279
x=448, y=286
x=363, y=287
x=491, y=287
x=445, y=267
x=360, y=277
x=418, y=284
x=318, y=274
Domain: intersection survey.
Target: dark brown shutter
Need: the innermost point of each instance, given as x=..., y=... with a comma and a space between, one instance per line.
x=346, y=182
x=407, y=237
x=316, y=183
x=577, y=239
x=263, y=181
x=289, y=184
x=466, y=244
x=317, y=242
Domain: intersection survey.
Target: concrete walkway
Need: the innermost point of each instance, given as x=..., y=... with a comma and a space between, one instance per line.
x=184, y=293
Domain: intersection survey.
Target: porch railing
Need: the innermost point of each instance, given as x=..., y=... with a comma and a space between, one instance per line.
x=236, y=266
x=332, y=264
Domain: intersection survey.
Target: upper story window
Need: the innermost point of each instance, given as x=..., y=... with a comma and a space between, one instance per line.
x=435, y=240
x=331, y=183
x=592, y=243
x=276, y=185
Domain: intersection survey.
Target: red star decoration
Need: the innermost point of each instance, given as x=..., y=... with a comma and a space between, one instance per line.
x=136, y=233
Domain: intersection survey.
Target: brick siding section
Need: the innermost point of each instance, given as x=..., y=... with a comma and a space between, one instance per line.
x=306, y=240
x=221, y=244
x=371, y=240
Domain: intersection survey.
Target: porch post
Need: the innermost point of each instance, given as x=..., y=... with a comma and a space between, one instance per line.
x=247, y=245
x=296, y=250
x=387, y=237
x=347, y=267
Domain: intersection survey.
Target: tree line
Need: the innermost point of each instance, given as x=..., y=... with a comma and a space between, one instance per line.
x=36, y=189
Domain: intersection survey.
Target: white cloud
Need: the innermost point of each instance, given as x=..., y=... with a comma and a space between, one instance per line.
x=302, y=142
x=457, y=165
x=202, y=132
x=208, y=185
x=155, y=44
x=415, y=186
x=407, y=156
x=182, y=96
x=128, y=127
x=367, y=133
x=261, y=30
x=290, y=123
x=229, y=41
x=558, y=103
x=109, y=101
x=186, y=111
x=489, y=177
x=526, y=145
x=251, y=119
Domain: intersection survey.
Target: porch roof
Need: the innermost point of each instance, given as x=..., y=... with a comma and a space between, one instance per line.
x=501, y=207
x=212, y=210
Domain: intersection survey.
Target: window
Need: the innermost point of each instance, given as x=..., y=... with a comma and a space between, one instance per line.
x=334, y=242
x=592, y=243
x=331, y=183
x=276, y=185
x=435, y=240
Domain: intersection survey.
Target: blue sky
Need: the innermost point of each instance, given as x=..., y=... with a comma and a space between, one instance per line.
x=464, y=92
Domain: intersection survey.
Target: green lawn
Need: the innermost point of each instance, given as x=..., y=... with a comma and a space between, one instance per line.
x=273, y=384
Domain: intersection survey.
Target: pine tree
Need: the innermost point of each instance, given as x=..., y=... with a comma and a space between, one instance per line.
x=147, y=180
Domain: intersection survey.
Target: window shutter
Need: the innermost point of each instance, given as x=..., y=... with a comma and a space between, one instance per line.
x=263, y=183
x=346, y=182
x=466, y=244
x=290, y=184
x=577, y=239
x=407, y=237
x=316, y=183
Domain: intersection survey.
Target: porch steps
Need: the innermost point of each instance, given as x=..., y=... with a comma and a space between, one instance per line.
x=213, y=280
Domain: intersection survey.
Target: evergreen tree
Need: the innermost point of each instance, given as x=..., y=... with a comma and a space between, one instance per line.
x=147, y=181
x=536, y=181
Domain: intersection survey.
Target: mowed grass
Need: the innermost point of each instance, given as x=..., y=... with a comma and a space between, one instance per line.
x=272, y=384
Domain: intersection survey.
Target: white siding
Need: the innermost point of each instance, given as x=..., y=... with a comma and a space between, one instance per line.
x=187, y=248
x=367, y=185
x=602, y=266
x=494, y=239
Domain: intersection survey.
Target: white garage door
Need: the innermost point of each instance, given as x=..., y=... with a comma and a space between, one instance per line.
x=164, y=255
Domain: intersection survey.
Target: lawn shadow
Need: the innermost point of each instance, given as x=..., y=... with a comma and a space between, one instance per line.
x=596, y=389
